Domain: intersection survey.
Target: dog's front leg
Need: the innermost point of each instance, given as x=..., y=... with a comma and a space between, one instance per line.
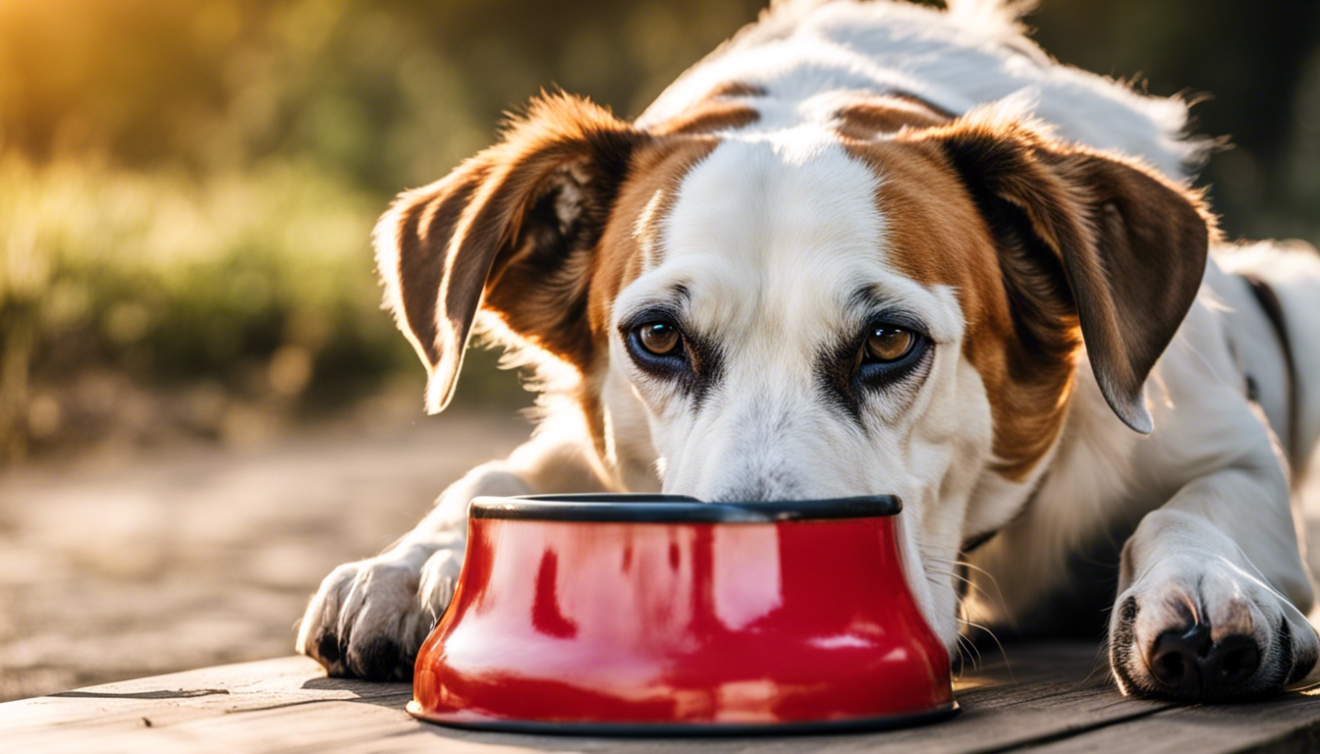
x=369, y=618
x=1212, y=592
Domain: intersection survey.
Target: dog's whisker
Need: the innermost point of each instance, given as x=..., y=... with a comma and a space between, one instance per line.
x=1101, y=662
x=974, y=586
x=971, y=648
x=980, y=591
x=999, y=598
x=964, y=657
x=970, y=584
x=1002, y=652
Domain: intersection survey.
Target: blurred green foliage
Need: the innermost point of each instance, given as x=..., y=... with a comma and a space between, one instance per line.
x=187, y=188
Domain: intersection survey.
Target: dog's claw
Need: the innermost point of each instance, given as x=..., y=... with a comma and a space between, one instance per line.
x=327, y=649
x=382, y=659
x=369, y=619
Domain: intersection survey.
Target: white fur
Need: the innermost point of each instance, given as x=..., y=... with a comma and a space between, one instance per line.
x=957, y=60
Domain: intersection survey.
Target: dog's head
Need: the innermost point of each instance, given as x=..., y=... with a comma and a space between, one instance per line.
x=895, y=303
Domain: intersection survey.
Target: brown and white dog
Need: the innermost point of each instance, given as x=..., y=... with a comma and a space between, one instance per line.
x=878, y=248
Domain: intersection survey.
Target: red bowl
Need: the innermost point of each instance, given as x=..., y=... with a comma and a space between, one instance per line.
x=651, y=614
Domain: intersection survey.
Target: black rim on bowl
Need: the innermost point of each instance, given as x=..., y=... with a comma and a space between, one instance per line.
x=677, y=509
x=694, y=730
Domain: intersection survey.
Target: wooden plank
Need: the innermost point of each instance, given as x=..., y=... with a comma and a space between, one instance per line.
x=1054, y=695
x=1289, y=723
x=215, y=709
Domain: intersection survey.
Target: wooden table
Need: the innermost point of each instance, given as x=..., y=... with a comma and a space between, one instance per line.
x=1049, y=697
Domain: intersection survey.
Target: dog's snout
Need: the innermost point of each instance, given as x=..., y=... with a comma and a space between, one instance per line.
x=756, y=491
x=1188, y=662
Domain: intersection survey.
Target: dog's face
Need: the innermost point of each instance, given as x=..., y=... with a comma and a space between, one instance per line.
x=892, y=304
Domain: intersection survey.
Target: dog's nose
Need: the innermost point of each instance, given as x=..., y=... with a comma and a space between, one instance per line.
x=1189, y=662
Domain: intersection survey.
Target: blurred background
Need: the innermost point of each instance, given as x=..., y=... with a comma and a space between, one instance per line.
x=202, y=407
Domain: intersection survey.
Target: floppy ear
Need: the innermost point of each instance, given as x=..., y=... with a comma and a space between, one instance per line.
x=1131, y=245
x=509, y=231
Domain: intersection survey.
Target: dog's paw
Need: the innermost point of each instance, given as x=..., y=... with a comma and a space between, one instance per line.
x=369, y=618
x=1202, y=629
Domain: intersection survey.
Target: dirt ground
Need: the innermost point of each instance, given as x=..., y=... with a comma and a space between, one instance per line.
x=116, y=566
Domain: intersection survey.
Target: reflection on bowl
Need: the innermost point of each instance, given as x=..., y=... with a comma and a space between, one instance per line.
x=645, y=614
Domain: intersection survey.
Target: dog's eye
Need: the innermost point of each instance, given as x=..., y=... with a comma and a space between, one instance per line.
x=887, y=344
x=888, y=353
x=658, y=347
x=659, y=338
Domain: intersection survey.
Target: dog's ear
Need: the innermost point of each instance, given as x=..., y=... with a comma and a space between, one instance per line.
x=508, y=231
x=1088, y=233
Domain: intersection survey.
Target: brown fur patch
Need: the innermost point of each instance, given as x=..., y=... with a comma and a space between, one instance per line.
x=633, y=235
x=938, y=237
x=734, y=89
x=644, y=203
x=425, y=215
x=1045, y=243
x=521, y=231
x=577, y=290
x=708, y=117
x=874, y=116
x=924, y=103
x=492, y=234
x=1130, y=245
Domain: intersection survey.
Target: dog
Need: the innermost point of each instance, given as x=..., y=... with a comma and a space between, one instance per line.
x=875, y=247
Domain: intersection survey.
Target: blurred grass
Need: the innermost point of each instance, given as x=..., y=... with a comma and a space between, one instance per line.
x=187, y=192
x=187, y=189
x=258, y=281
x=257, y=284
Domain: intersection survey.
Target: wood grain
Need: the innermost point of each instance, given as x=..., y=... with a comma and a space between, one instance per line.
x=1050, y=697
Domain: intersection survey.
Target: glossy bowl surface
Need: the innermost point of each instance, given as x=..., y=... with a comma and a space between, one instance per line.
x=648, y=614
